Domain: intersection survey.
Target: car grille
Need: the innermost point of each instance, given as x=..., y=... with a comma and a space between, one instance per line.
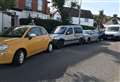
x=109, y=35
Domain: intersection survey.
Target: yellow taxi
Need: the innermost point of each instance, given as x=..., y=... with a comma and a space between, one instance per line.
x=23, y=42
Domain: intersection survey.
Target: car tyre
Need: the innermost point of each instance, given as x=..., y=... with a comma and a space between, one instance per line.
x=89, y=40
x=60, y=44
x=50, y=47
x=81, y=41
x=19, y=57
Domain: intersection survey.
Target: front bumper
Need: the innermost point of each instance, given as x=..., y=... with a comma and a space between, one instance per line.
x=110, y=37
x=6, y=58
x=55, y=42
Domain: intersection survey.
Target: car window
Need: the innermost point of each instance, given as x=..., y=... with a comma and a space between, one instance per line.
x=17, y=32
x=113, y=28
x=35, y=30
x=77, y=30
x=69, y=31
x=43, y=31
x=60, y=30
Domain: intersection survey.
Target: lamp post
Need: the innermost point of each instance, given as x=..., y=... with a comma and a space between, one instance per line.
x=80, y=11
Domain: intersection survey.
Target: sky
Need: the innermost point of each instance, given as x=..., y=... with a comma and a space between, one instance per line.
x=110, y=7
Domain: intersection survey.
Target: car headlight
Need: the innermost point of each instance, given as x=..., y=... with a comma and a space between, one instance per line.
x=3, y=47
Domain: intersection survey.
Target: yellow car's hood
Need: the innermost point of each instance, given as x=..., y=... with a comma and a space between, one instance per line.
x=6, y=39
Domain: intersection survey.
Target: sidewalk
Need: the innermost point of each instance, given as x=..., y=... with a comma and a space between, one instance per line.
x=100, y=68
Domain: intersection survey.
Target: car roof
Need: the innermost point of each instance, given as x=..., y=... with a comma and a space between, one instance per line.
x=69, y=26
x=117, y=25
x=26, y=26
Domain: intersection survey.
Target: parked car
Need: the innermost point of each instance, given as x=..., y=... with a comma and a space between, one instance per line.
x=67, y=34
x=90, y=36
x=23, y=42
x=112, y=32
x=101, y=35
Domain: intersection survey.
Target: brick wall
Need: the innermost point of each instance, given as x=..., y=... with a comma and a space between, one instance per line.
x=34, y=5
x=21, y=5
x=45, y=2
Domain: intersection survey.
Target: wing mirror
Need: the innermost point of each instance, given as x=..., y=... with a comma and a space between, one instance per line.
x=31, y=35
x=68, y=33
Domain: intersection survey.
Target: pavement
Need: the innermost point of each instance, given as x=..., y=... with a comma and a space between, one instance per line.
x=95, y=62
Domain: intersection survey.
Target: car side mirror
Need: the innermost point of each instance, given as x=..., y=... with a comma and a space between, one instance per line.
x=67, y=33
x=31, y=35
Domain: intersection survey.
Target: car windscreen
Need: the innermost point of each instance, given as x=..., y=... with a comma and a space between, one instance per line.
x=113, y=28
x=60, y=30
x=86, y=32
x=17, y=32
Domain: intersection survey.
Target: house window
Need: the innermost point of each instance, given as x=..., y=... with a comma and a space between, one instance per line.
x=40, y=5
x=115, y=21
x=28, y=4
x=86, y=20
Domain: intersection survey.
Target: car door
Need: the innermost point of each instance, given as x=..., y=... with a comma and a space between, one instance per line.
x=69, y=36
x=78, y=33
x=35, y=43
x=94, y=35
x=45, y=38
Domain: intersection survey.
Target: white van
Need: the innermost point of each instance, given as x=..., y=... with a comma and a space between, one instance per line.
x=67, y=34
x=112, y=32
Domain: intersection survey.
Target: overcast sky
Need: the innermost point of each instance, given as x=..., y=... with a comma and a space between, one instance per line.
x=110, y=7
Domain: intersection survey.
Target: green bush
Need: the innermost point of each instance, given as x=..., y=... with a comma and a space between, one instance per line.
x=49, y=24
x=88, y=27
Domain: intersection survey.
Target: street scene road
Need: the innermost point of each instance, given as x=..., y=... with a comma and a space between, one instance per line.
x=96, y=62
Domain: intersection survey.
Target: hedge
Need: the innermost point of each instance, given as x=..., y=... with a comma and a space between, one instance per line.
x=49, y=24
x=88, y=27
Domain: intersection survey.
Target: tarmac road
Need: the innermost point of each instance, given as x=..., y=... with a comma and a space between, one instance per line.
x=96, y=62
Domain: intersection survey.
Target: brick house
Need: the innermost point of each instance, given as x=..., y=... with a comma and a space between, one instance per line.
x=29, y=8
x=24, y=9
x=33, y=5
x=86, y=16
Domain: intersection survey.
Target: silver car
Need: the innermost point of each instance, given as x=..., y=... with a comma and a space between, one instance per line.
x=67, y=34
x=90, y=36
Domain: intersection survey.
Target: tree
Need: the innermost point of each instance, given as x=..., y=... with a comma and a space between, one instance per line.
x=4, y=5
x=7, y=4
x=59, y=5
x=73, y=4
x=101, y=19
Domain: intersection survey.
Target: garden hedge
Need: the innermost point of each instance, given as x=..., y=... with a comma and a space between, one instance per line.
x=49, y=24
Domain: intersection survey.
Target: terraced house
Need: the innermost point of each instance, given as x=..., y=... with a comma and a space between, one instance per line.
x=25, y=9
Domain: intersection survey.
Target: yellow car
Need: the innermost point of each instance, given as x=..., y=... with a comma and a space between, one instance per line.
x=23, y=42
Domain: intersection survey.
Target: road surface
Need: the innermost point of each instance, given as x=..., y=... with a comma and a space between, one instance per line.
x=96, y=62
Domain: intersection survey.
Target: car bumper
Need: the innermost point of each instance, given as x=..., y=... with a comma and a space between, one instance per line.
x=55, y=42
x=5, y=58
x=110, y=37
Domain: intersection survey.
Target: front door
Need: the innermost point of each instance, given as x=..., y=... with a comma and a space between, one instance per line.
x=69, y=36
x=35, y=44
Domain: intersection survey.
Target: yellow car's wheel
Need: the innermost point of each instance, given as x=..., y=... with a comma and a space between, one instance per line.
x=19, y=57
x=50, y=47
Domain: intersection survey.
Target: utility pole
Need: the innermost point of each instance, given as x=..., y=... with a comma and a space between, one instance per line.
x=80, y=10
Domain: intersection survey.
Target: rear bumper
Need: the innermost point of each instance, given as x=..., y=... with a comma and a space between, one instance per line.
x=110, y=37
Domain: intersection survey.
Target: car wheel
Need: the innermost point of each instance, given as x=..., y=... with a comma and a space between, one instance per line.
x=50, y=47
x=60, y=44
x=19, y=57
x=81, y=41
x=98, y=40
x=89, y=40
